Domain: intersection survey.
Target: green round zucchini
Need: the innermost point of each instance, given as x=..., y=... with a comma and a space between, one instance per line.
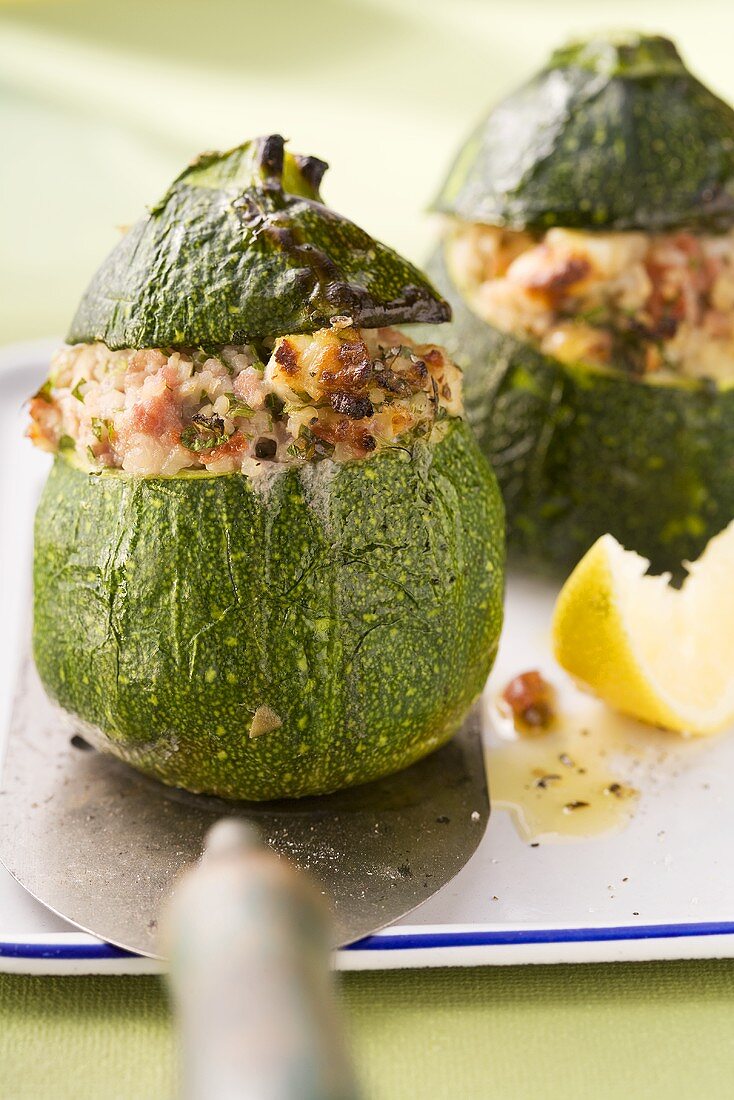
x=580, y=450
x=321, y=628
x=614, y=134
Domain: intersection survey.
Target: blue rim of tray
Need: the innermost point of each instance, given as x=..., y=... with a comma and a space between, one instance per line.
x=416, y=940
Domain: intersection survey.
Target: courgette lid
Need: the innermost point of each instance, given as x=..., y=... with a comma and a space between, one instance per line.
x=615, y=133
x=239, y=248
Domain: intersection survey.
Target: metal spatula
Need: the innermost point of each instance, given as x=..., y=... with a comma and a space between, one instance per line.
x=101, y=845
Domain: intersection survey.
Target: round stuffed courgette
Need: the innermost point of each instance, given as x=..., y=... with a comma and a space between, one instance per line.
x=589, y=260
x=269, y=556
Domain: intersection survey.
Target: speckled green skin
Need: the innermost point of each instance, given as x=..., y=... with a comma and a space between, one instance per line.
x=579, y=452
x=241, y=248
x=614, y=133
x=361, y=601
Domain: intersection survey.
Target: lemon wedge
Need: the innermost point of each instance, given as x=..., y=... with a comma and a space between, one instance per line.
x=660, y=654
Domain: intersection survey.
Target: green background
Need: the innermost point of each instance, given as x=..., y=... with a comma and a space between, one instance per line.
x=100, y=104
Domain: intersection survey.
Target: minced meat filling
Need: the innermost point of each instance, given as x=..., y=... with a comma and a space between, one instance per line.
x=342, y=393
x=642, y=302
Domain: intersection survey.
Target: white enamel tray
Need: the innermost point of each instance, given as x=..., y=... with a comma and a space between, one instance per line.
x=661, y=888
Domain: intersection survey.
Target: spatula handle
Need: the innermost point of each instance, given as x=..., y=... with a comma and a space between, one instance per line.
x=248, y=942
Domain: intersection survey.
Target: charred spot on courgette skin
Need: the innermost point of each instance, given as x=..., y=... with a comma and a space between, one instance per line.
x=270, y=156
x=312, y=169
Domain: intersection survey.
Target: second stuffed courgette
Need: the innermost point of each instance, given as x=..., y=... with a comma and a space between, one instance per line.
x=589, y=260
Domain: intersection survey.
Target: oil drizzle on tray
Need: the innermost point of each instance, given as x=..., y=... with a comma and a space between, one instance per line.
x=576, y=775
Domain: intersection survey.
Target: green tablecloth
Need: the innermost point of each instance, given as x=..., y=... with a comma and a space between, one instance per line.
x=99, y=104
x=637, y=1031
